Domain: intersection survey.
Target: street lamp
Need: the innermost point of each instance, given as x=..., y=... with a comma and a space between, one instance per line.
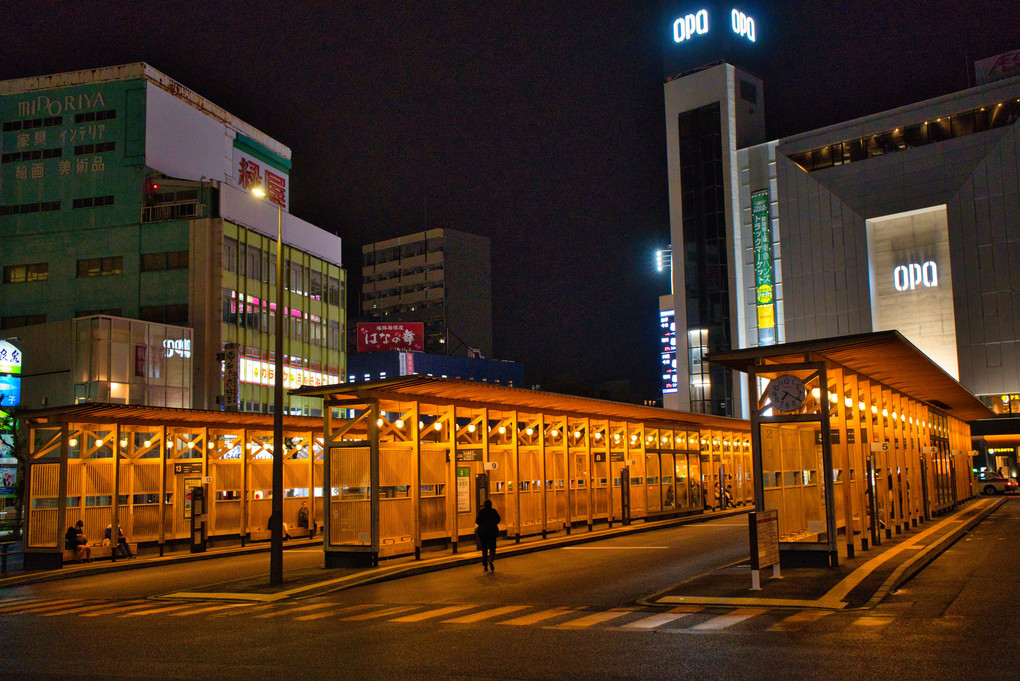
x=276, y=532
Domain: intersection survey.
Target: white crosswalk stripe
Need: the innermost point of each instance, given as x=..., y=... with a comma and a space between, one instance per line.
x=678, y=620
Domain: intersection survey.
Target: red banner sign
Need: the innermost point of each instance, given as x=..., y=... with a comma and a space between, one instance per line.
x=375, y=337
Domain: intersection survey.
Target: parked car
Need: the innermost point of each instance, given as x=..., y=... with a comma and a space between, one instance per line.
x=992, y=483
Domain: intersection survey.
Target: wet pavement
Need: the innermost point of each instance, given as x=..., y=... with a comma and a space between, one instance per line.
x=858, y=582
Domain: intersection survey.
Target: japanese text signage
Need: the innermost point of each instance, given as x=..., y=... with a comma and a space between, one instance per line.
x=264, y=373
x=255, y=166
x=376, y=337
x=764, y=282
x=10, y=375
x=64, y=135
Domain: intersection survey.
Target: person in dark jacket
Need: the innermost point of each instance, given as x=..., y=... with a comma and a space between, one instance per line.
x=487, y=529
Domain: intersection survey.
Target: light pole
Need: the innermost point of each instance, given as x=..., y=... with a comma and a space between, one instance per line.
x=276, y=532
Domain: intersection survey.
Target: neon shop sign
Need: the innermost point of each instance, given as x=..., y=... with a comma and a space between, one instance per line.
x=697, y=23
x=915, y=275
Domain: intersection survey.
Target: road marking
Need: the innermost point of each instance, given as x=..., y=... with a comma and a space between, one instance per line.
x=379, y=613
x=19, y=603
x=289, y=611
x=211, y=608
x=118, y=608
x=430, y=614
x=47, y=605
x=656, y=620
x=594, y=618
x=724, y=621
x=614, y=548
x=486, y=614
x=799, y=620
x=159, y=611
x=330, y=613
x=535, y=617
x=235, y=613
x=101, y=605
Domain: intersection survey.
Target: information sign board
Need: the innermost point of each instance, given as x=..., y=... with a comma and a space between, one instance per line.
x=764, y=527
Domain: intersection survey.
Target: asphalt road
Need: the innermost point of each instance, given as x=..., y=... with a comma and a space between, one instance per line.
x=566, y=613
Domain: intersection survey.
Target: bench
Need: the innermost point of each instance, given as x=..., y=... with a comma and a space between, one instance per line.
x=265, y=534
x=98, y=551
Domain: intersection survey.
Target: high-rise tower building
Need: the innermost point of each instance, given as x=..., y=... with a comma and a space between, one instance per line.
x=440, y=277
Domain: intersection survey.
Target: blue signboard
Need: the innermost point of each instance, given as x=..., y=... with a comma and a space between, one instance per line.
x=10, y=391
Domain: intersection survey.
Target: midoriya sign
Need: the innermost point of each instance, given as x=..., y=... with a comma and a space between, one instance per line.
x=699, y=22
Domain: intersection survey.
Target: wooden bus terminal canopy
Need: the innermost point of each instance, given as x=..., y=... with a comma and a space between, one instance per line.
x=472, y=394
x=165, y=416
x=883, y=356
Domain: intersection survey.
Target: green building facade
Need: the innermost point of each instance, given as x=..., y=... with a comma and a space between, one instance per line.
x=123, y=193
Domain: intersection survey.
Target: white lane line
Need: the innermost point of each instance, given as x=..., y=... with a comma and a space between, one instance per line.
x=535, y=617
x=656, y=620
x=486, y=614
x=430, y=614
x=594, y=618
x=724, y=621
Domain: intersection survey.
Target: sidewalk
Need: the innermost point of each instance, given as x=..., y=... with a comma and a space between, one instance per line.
x=859, y=582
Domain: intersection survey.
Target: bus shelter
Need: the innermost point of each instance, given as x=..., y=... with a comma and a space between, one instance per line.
x=139, y=466
x=411, y=459
x=854, y=439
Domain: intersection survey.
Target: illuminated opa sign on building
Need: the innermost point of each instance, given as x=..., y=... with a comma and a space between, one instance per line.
x=914, y=275
x=698, y=23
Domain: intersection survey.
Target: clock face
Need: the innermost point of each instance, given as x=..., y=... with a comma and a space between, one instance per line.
x=786, y=392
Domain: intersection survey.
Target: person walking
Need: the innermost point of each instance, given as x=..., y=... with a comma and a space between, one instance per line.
x=487, y=529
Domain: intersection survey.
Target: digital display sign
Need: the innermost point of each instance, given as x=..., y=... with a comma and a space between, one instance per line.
x=667, y=339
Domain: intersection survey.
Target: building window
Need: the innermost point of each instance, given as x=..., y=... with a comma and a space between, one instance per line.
x=230, y=254
x=170, y=260
x=34, y=155
x=100, y=267
x=86, y=149
x=21, y=208
x=19, y=274
x=18, y=321
x=165, y=314
x=95, y=116
x=92, y=202
x=33, y=123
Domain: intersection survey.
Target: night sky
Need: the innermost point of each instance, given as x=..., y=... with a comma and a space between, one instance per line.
x=537, y=124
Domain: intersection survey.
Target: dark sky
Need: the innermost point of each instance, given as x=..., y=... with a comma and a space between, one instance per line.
x=537, y=124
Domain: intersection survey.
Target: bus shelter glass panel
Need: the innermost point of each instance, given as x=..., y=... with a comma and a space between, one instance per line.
x=396, y=508
x=791, y=477
x=350, y=496
x=433, y=493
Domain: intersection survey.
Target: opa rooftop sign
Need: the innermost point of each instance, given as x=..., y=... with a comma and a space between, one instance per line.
x=699, y=23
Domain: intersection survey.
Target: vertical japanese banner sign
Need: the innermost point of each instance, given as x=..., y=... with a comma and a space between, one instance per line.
x=764, y=283
x=189, y=484
x=463, y=490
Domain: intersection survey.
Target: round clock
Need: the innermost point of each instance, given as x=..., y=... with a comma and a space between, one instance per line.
x=786, y=392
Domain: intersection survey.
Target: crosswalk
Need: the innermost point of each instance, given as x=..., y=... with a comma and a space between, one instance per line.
x=680, y=619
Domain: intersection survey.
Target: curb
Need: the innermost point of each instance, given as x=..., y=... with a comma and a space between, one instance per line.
x=911, y=567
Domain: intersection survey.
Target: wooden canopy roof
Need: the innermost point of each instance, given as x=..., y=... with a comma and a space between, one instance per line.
x=165, y=416
x=433, y=390
x=883, y=356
